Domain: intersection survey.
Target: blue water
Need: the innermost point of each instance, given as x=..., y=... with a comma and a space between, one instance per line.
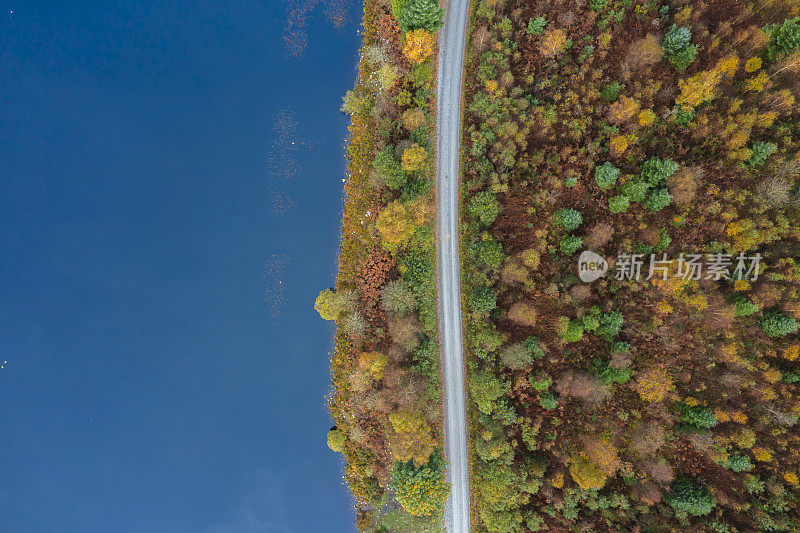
x=157, y=378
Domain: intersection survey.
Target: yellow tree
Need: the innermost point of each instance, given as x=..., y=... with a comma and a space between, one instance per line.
x=586, y=474
x=327, y=305
x=396, y=224
x=387, y=76
x=413, y=118
x=623, y=109
x=653, y=384
x=418, y=46
x=552, y=43
x=336, y=440
x=373, y=362
x=697, y=89
x=414, y=157
x=411, y=439
x=603, y=454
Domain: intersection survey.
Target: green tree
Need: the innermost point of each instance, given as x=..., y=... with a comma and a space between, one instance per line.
x=568, y=219
x=590, y=322
x=690, y=498
x=498, y=485
x=417, y=269
x=619, y=204
x=610, y=325
x=424, y=14
x=611, y=91
x=488, y=252
x=536, y=26
x=761, y=151
x=388, y=168
x=571, y=244
x=548, y=401
x=397, y=297
x=776, y=324
x=784, y=38
x=738, y=463
x=606, y=175
x=482, y=299
x=636, y=189
x=744, y=307
x=421, y=490
x=570, y=330
x=540, y=384
x=677, y=46
x=597, y=5
x=397, y=7
x=485, y=389
x=658, y=200
x=485, y=207
x=656, y=171
x=697, y=415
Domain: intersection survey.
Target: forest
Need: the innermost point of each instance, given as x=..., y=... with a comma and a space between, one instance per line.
x=658, y=396
x=386, y=392
x=663, y=132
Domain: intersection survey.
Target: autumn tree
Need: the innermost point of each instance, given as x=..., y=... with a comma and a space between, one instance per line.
x=397, y=221
x=413, y=118
x=336, y=440
x=356, y=103
x=522, y=313
x=374, y=363
x=516, y=357
x=552, y=42
x=623, y=109
x=418, y=45
x=603, y=454
x=587, y=475
x=653, y=384
x=644, y=52
x=331, y=305
x=388, y=75
x=414, y=157
x=411, y=438
x=697, y=89
x=397, y=297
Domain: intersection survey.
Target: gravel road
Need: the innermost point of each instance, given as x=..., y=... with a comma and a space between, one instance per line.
x=451, y=60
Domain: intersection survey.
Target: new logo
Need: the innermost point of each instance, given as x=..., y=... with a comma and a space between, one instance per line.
x=591, y=266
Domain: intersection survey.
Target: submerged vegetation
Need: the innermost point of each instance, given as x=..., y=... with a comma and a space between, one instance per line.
x=632, y=127
x=386, y=399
